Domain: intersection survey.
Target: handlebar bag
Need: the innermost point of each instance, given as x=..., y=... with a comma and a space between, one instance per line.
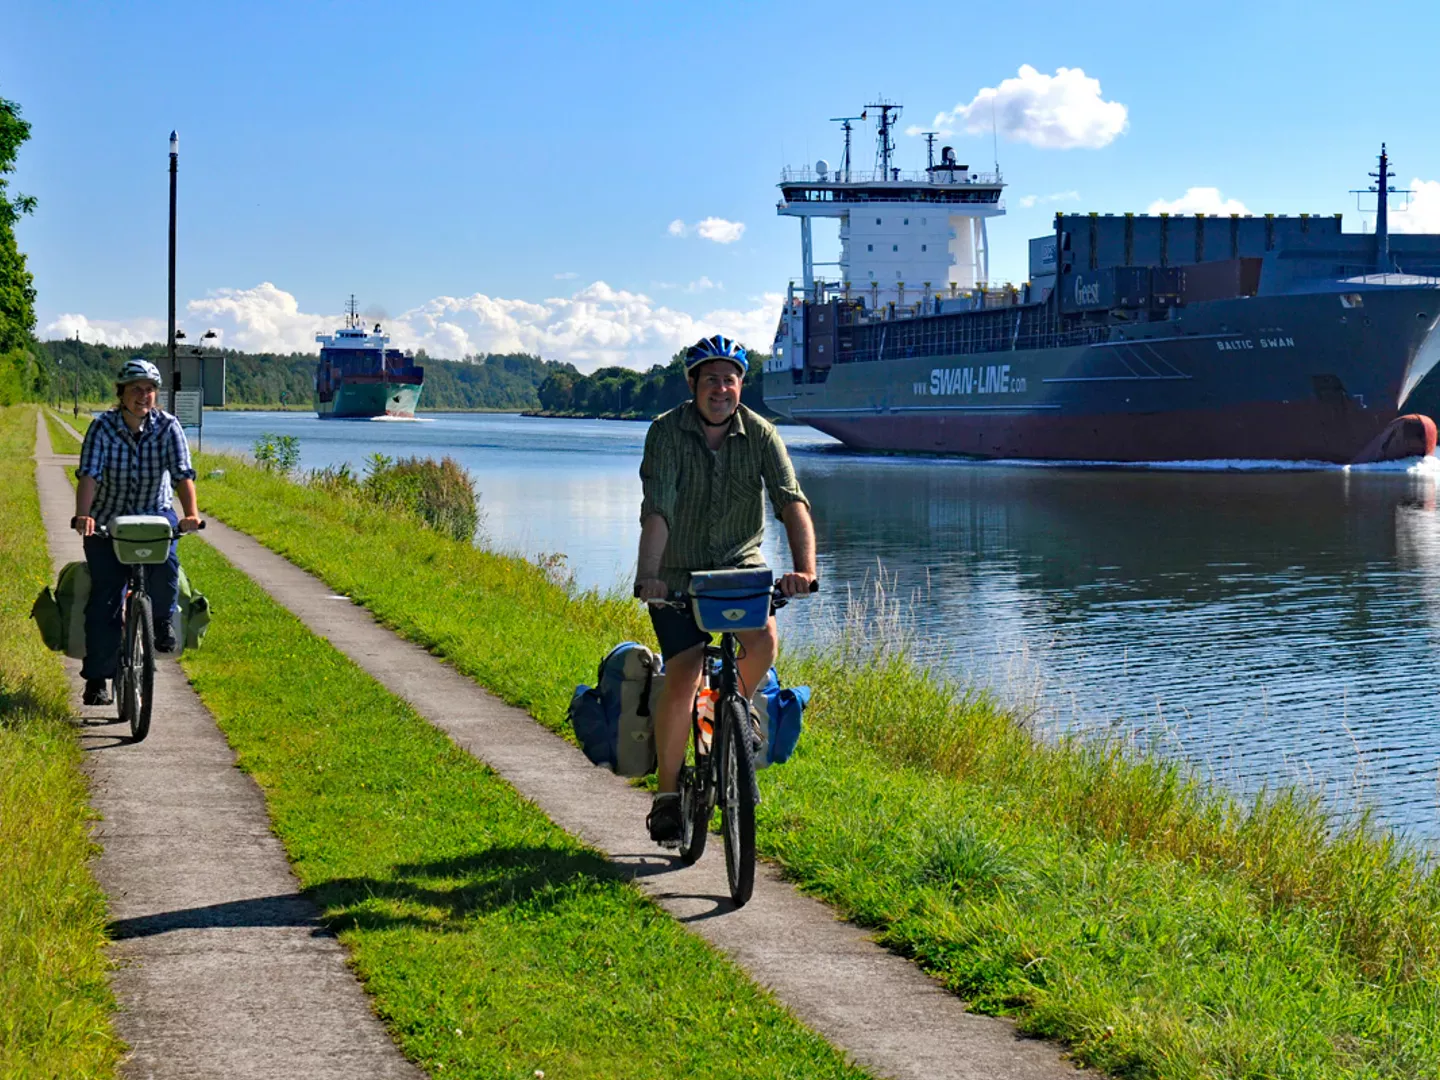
x=724, y=600
x=141, y=538
x=612, y=720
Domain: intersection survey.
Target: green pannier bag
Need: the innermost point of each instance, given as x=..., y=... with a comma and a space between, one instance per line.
x=60, y=612
x=194, y=618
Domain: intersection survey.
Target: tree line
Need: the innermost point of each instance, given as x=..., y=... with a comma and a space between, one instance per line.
x=625, y=392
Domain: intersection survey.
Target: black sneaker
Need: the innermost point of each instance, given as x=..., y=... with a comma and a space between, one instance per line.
x=664, y=821
x=165, y=637
x=97, y=692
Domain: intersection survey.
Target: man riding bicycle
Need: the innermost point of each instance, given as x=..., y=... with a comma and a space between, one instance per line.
x=133, y=456
x=702, y=472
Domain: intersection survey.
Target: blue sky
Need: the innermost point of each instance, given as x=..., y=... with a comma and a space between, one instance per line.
x=502, y=176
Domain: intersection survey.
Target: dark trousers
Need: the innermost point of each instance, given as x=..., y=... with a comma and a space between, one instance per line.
x=107, y=599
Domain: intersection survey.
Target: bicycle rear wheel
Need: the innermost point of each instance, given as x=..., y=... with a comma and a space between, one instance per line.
x=737, y=794
x=140, y=657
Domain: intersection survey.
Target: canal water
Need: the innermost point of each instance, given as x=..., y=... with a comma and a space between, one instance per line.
x=1267, y=625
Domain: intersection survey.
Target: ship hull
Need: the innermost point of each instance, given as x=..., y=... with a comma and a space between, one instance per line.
x=364, y=400
x=1305, y=377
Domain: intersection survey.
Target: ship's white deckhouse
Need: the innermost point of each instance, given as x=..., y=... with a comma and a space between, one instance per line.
x=905, y=238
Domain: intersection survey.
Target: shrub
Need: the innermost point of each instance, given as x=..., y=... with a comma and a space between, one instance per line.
x=439, y=493
x=277, y=453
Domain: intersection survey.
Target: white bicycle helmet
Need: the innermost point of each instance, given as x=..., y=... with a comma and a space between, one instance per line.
x=138, y=369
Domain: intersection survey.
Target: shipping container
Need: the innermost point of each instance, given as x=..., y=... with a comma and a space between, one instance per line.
x=1087, y=290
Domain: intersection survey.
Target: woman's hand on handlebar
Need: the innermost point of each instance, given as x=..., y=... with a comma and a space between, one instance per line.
x=190, y=524
x=84, y=525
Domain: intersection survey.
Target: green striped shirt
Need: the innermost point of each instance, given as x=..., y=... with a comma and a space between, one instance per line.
x=710, y=499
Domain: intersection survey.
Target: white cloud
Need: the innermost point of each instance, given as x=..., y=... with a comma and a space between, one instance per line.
x=703, y=284
x=715, y=229
x=1199, y=200
x=1423, y=215
x=1054, y=112
x=720, y=230
x=107, y=331
x=1028, y=201
x=593, y=327
x=566, y=275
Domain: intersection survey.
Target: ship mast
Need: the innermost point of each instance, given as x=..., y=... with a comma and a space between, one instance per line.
x=844, y=122
x=1382, y=189
x=885, y=142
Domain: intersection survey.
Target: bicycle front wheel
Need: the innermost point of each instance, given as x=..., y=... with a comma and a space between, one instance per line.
x=140, y=653
x=737, y=808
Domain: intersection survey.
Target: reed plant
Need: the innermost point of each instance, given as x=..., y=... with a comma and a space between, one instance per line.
x=1102, y=896
x=439, y=493
x=55, y=1004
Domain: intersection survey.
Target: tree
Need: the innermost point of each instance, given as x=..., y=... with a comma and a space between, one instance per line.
x=17, y=288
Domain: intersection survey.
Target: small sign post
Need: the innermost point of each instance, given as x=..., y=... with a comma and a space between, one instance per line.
x=190, y=411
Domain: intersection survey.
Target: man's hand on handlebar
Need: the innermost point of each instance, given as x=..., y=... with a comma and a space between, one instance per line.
x=796, y=584
x=649, y=589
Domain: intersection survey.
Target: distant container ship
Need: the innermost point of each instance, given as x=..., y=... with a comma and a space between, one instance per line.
x=1137, y=337
x=358, y=378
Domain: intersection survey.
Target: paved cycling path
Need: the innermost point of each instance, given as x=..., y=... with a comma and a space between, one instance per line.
x=223, y=968
x=883, y=1010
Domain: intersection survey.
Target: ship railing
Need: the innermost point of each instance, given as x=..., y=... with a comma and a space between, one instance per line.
x=939, y=178
x=968, y=336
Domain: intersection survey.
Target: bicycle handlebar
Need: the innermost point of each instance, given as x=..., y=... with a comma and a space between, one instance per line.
x=680, y=600
x=176, y=532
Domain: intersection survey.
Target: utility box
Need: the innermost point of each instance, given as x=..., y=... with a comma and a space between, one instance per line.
x=205, y=373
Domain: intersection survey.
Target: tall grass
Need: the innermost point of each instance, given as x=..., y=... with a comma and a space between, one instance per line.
x=55, y=1005
x=1105, y=898
x=439, y=493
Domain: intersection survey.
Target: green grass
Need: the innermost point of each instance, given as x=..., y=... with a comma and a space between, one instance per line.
x=55, y=1005
x=1103, y=899
x=493, y=943
x=61, y=441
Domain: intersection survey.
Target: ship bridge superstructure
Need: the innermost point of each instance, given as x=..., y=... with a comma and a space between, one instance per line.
x=904, y=236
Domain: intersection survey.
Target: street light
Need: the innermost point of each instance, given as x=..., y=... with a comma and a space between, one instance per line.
x=170, y=341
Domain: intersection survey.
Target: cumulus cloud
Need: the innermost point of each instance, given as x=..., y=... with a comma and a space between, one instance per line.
x=1028, y=201
x=1199, y=200
x=1423, y=214
x=595, y=326
x=119, y=332
x=1054, y=112
x=715, y=229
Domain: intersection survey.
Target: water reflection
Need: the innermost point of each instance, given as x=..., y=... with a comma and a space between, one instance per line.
x=1269, y=627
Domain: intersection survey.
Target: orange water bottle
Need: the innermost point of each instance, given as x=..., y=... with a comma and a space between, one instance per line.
x=705, y=716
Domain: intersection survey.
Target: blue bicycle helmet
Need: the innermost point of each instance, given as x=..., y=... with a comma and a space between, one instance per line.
x=716, y=347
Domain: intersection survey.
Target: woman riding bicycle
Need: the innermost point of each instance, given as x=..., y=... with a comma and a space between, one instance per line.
x=134, y=455
x=703, y=509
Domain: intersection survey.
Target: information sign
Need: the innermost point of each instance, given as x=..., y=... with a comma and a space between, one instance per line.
x=187, y=407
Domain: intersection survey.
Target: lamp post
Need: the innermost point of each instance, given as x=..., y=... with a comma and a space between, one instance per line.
x=170, y=339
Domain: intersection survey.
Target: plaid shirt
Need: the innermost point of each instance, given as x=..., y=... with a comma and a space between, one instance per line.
x=711, y=500
x=134, y=471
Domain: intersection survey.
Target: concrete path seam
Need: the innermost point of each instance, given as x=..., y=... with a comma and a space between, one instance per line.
x=879, y=1007
x=224, y=969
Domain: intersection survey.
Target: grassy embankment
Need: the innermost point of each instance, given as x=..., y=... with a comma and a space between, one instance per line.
x=61, y=441
x=1158, y=927
x=55, y=1016
x=493, y=943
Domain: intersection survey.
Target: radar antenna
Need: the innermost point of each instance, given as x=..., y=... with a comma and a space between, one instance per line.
x=844, y=122
x=885, y=143
x=352, y=314
x=930, y=148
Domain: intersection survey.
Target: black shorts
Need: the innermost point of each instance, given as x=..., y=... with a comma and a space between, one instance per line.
x=676, y=630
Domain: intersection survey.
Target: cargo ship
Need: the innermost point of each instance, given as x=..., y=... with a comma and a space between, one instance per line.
x=1136, y=338
x=358, y=378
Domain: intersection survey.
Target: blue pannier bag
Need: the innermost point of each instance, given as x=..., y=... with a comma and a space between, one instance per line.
x=612, y=719
x=784, y=708
x=731, y=599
